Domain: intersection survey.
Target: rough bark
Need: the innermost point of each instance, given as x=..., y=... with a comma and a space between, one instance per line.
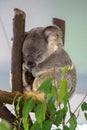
x=16, y=67
x=8, y=97
x=6, y=114
x=19, y=35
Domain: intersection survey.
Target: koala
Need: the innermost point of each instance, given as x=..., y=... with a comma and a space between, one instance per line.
x=44, y=56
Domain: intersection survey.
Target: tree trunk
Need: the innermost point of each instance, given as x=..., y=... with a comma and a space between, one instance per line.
x=19, y=35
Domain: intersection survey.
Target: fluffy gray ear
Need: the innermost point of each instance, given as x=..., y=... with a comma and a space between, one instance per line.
x=52, y=31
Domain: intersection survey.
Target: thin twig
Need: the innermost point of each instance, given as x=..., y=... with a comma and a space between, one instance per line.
x=77, y=107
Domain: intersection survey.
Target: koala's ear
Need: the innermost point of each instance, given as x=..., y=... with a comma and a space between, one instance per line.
x=52, y=31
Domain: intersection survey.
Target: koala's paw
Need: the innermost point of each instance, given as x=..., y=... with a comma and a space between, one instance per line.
x=25, y=84
x=27, y=79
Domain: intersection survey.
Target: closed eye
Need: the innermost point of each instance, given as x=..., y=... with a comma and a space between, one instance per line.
x=25, y=56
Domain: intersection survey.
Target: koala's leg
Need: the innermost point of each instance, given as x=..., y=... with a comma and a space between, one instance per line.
x=56, y=74
x=43, y=75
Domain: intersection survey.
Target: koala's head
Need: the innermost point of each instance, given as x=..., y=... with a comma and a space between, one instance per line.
x=40, y=43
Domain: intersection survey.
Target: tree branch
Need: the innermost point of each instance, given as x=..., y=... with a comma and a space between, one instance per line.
x=8, y=97
x=6, y=114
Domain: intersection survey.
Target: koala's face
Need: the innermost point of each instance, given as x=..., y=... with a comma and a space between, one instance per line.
x=39, y=44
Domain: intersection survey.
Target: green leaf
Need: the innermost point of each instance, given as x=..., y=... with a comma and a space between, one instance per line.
x=59, y=116
x=62, y=91
x=48, y=89
x=28, y=106
x=25, y=123
x=47, y=125
x=84, y=106
x=51, y=106
x=18, y=103
x=66, y=128
x=40, y=112
x=73, y=122
x=35, y=126
x=66, y=100
x=65, y=69
x=4, y=125
x=85, y=114
x=46, y=86
x=54, y=92
x=14, y=128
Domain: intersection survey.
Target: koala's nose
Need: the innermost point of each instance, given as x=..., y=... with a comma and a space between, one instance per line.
x=31, y=64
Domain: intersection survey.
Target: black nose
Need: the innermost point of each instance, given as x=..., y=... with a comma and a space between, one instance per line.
x=31, y=64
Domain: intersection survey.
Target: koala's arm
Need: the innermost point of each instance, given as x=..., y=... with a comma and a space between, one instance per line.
x=59, y=58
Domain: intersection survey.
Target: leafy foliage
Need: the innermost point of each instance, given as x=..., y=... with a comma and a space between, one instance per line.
x=18, y=104
x=40, y=112
x=51, y=111
x=84, y=106
x=28, y=107
x=73, y=122
x=84, y=109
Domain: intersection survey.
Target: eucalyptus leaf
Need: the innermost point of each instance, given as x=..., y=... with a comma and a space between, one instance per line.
x=51, y=106
x=59, y=116
x=54, y=93
x=66, y=128
x=85, y=114
x=40, y=112
x=73, y=122
x=35, y=126
x=18, y=103
x=46, y=86
x=84, y=106
x=28, y=106
x=62, y=91
x=65, y=69
x=47, y=125
x=4, y=125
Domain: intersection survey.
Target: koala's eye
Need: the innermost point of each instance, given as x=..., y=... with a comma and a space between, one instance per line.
x=24, y=58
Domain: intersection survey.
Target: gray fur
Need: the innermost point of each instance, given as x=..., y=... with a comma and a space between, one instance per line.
x=43, y=53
